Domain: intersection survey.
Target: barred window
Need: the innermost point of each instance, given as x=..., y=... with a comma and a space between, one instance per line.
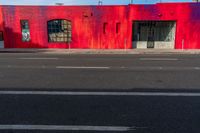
x=59, y=31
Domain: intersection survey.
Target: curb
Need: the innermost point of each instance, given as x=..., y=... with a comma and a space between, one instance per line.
x=97, y=51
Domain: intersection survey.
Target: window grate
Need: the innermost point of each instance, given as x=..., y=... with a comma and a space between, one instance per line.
x=59, y=31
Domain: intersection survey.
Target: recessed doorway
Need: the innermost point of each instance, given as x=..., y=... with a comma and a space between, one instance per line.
x=154, y=34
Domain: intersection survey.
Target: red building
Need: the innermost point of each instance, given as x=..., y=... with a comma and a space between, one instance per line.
x=163, y=25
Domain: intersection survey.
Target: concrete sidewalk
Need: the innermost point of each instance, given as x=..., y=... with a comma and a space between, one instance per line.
x=101, y=51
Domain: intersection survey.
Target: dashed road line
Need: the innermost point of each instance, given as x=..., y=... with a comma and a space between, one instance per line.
x=37, y=58
x=80, y=67
x=158, y=59
x=67, y=128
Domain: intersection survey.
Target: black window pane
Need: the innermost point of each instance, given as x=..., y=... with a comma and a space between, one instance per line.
x=1, y=36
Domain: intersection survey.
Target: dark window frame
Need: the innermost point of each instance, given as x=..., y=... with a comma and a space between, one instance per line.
x=105, y=26
x=118, y=27
x=21, y=22
x=1, y=36
x=59, y=31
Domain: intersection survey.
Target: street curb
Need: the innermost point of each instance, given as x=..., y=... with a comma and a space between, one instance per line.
x=100, y=51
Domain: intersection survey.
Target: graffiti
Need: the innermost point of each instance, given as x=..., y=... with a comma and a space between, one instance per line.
x=25, y=31
x=25, y=35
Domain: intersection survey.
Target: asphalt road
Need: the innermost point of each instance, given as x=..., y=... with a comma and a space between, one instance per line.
x=49, y=93
x=51, y=71
x=90, y=112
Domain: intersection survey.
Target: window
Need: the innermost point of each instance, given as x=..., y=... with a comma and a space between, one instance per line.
x=25, y=31
x=59, y=31
x=105, y=25
x=1, y=36
x=118, y=27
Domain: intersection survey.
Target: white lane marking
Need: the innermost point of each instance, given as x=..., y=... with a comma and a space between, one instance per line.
x=170, y=94
x=66, y=128
x=162, y=68
x=158, y=59
x=136, y=68
x=80, y=67
x=131, y=68
x=197, y=68
x=37, y=58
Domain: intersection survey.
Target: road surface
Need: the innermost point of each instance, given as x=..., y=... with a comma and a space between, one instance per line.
x=47, y=71
x=49, y=93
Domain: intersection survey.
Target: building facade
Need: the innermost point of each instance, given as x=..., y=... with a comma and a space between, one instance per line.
x=158, y=26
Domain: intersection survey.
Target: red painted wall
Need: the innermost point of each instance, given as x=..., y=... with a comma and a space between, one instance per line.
x=88, y=21
x=1, y=19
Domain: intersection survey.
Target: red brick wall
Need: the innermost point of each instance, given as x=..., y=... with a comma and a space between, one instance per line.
x=88, y=21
